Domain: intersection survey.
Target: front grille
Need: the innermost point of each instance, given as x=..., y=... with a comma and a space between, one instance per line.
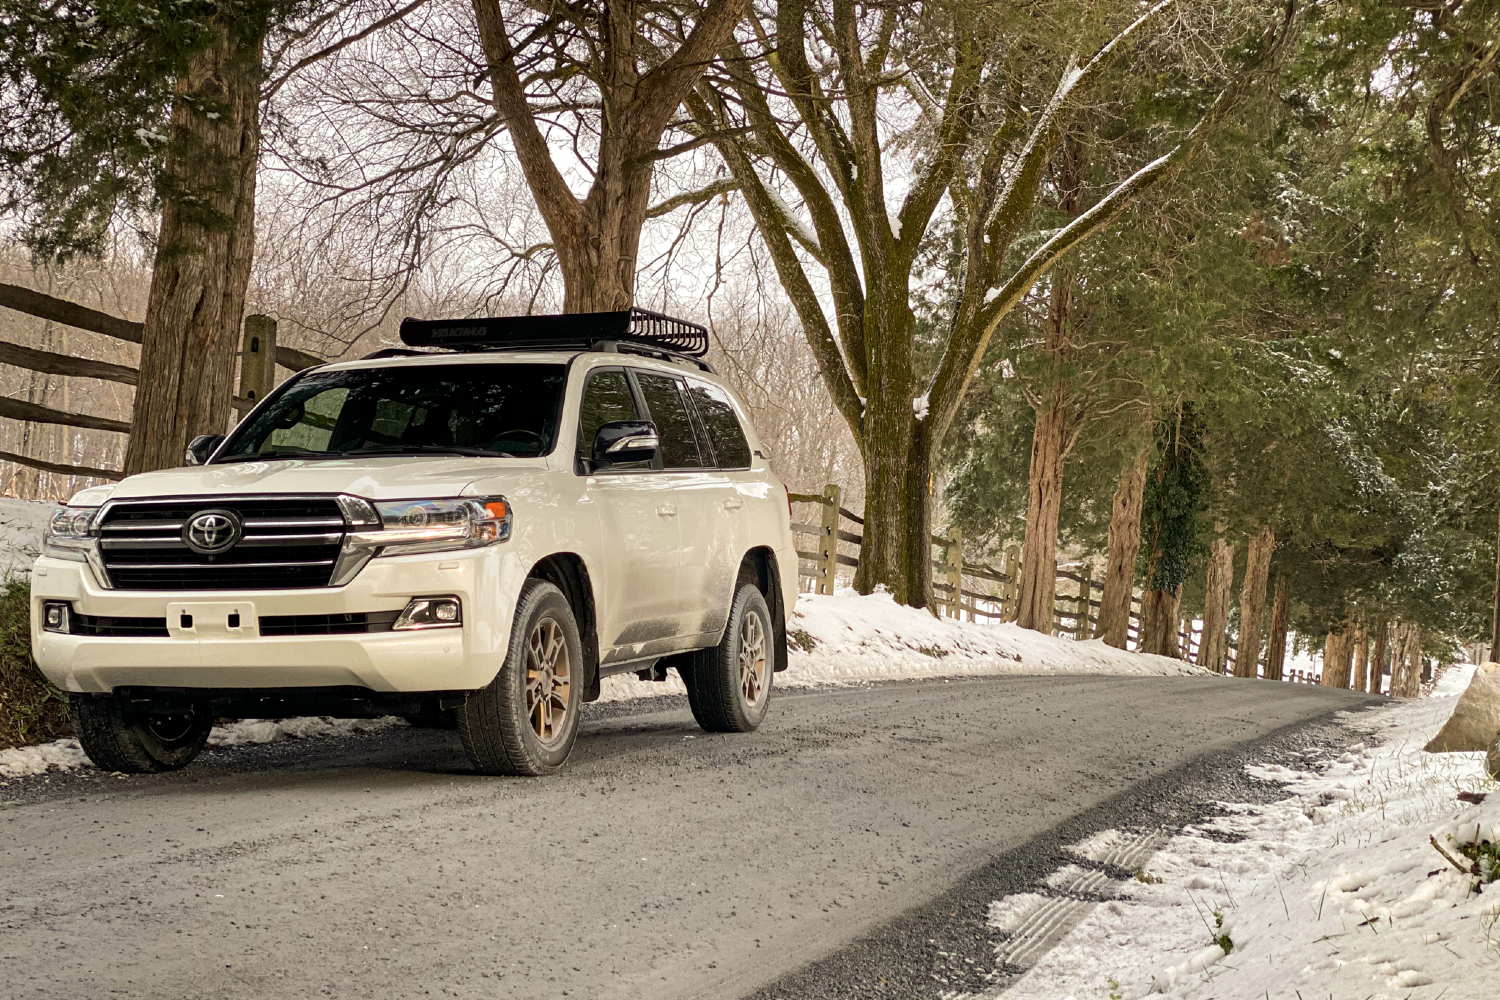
x=345, y=624
x=154, y=628
x=288, y=543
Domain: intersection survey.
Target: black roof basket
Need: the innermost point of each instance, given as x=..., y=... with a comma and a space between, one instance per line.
x=628, y=326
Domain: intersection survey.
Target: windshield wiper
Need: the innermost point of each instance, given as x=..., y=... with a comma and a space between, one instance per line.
x=423, y=449
x=276, y=453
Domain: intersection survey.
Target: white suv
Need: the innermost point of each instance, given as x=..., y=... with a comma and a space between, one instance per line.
x=474, y=536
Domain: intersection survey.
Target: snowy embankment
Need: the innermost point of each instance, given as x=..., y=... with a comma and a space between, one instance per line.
x=849, y=638
x=1336, y=891
x=845, y=638
x=21, y=525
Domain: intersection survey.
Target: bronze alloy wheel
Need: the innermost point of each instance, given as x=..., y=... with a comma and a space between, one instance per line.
x=548, y=677
x=752, y=659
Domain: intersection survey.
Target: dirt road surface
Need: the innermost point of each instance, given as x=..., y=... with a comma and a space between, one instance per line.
x=664, y=862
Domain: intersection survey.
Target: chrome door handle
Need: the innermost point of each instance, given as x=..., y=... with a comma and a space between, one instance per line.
x=667, y=511
x=733, y=503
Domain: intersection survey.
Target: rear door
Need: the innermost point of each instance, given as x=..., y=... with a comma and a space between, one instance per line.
x=707, y=557
x=636, y=575
x=743, y=491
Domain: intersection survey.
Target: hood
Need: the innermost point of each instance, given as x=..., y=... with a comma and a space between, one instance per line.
x=394, y=477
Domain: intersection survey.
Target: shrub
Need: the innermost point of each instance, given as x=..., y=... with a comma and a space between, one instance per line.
x=31, y=709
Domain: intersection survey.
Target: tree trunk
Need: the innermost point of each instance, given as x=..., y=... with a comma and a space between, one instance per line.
x=1124, y=547
x=1377, y=656
x=1361, y=640
x=1281, y=619
x=1495, y=604
x=1043, y=505
x=1159, y=622
x=1049, y=438
x=1336, y=652
x=1410, y=678
x=1213, y=652
x=1253, y=601
x=596, y=239
x=206, y=242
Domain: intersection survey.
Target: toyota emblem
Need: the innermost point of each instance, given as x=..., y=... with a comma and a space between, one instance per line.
x=210, y=532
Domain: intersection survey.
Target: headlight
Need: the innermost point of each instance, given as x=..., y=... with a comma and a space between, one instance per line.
x=438, y=525
x=405, y=527
x=71, y=533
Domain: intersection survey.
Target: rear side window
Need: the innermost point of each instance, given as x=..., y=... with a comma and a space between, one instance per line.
x=679, y=446
x=606, y=398
x=724, y=430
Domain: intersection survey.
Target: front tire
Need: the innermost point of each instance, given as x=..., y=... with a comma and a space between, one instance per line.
x=117, y=740
x=525, y=722
x=729, y=685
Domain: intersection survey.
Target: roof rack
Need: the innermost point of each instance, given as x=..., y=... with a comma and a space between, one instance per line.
x=639, y=327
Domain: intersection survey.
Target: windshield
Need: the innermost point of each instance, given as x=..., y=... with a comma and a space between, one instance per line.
x=507, y=410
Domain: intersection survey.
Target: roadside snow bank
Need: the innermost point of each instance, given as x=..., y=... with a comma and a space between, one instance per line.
x=22, y=523
x=1336, y=891
x=848, y=637
x=65, y=755
x=59, y=755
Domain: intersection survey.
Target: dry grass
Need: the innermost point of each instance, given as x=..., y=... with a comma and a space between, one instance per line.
x=31, y=710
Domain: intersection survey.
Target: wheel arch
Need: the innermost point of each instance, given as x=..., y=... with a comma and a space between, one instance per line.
x=567, y=572
x=759, y=566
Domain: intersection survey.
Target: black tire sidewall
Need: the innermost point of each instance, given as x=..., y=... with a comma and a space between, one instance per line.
x=494, y=724
x=713, y=683
x=749, y=601
x=117, y=740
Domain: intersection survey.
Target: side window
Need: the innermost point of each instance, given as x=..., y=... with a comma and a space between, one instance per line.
x=730, y=446
x=606, y=398
x=679, y=446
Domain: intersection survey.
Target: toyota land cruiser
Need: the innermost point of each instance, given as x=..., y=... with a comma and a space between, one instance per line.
x=476, y=529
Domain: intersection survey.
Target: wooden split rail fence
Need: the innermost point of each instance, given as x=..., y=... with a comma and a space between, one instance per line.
x=260, y=354
x=1075, y=614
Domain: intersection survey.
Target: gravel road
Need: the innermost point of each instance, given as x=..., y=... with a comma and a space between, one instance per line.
x=664, y=862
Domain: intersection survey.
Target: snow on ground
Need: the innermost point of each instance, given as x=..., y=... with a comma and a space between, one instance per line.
x=65, y=755
x=22, y=523
x=1334, y=892
x=847, y=638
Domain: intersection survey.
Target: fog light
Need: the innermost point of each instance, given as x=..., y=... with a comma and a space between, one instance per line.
x=430, y=612
x=55, y=616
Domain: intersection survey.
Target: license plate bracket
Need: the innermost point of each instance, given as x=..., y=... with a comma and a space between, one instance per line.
x=216, y=619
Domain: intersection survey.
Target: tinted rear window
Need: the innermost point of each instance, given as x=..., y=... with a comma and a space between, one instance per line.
x=724, y=431
x=679, y=446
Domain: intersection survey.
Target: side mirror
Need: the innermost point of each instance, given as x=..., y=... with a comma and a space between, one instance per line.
x=202, y=447
x=621, y=441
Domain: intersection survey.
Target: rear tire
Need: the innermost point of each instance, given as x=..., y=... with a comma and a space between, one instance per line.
x=729, y=685
x=525, y=722
x=117, y=740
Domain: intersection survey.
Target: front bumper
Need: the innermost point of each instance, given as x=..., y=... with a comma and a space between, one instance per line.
x=465, y=658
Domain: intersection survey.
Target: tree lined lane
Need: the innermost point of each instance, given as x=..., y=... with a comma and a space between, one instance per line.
x=664, y=861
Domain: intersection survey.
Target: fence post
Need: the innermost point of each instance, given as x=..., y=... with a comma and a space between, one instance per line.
x=257, y=362
x=1013, y=588
x=828, y=541
x=954, y=564
x=1081, y=626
